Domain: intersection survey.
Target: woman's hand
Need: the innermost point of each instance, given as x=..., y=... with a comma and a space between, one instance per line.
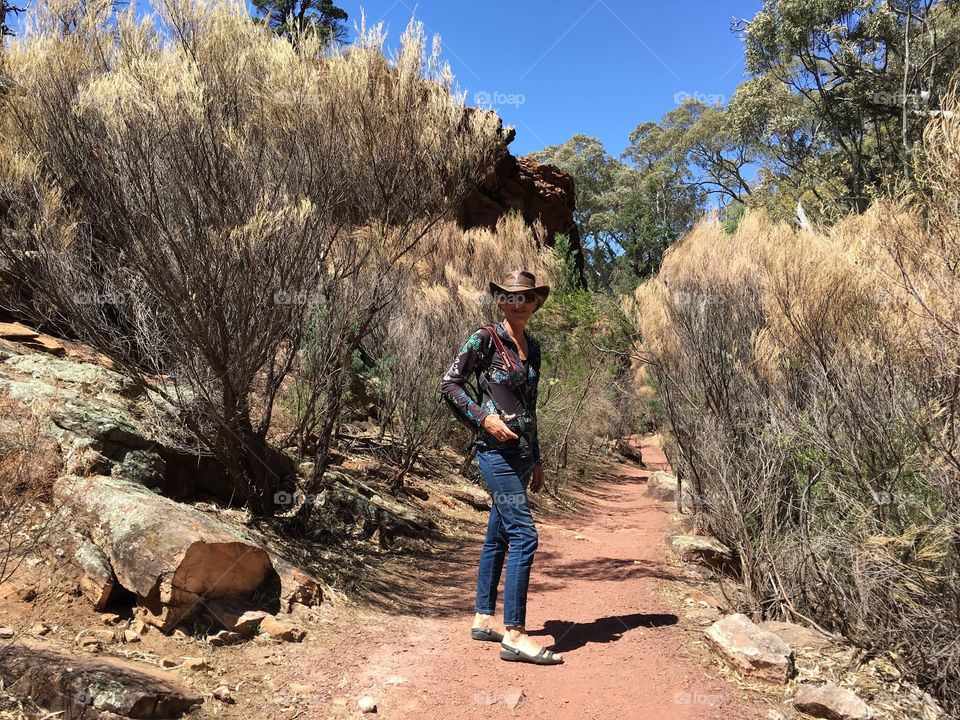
x=536, y=482
x=496, y=427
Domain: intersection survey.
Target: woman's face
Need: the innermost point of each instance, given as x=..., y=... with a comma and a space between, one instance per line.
x=518, y=307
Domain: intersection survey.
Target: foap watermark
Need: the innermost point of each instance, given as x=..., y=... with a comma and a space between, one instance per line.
x=487, y=98
x=296, y=297
x=682, y=96
x=688, y=697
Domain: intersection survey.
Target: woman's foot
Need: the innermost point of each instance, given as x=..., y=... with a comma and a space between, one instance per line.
x=487, y=622
x=516, y=637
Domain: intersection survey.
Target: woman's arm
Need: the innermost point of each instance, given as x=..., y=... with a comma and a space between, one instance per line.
x=474, y=353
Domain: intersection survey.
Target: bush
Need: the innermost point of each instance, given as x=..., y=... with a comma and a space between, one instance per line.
x=811, y=382
x=216, y=208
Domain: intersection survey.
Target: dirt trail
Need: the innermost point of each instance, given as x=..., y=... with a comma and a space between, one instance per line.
x=593, y=596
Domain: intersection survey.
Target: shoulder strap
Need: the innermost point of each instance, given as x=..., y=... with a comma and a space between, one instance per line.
x=498, y=344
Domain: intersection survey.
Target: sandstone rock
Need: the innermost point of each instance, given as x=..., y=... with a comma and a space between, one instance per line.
x=6, y=633
x=91, y=688
x=663, y=486
x=538, y=191
x=139, y=627
x=473, y=496
x=129, y=636
x=281, y=630
x=798, y=636
x=235, y=616
x=296, y=586
x=751, y=649
x=513, y=697
x=40, y=629
x=367, y=704
x=701, y=549
x=832, y=702
x=30, y=338
x=170, y=555
x=224, y=695
x=224, y=637
x=195, y=664
x=89, y=642
x=86, y=563
x=629, y=447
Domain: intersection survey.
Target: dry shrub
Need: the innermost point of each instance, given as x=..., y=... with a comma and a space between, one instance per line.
x=29, y=463
x=202, y=200
x=812, y=382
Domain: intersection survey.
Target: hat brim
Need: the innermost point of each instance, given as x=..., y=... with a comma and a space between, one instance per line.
x=541, y=291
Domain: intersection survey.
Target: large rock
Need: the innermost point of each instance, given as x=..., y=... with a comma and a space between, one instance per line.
x=701, y=549
x=832, y=702
x=538, y=191
x=169, y=554
x=797, y=636
x=751, y=649
x=105, y=424
x=663, y=486
x=95, y=687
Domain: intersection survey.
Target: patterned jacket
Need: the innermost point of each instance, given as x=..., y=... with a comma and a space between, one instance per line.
x=505, y=383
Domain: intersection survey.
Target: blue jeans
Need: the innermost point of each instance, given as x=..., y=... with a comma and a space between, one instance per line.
x=510, y=526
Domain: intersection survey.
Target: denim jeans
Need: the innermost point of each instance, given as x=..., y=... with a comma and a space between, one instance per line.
x=510, y=526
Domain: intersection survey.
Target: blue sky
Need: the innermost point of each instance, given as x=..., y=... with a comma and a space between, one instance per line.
x=557, y=68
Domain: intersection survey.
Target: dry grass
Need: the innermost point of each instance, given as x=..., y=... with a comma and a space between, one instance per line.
x=812, y=381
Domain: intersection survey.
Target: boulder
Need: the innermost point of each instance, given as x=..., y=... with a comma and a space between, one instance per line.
x=701, y=549
x=282, y=630
x=630, y=447
x=798, y=636
x=235, y=616
x=296, y=586
x=87, y=688
x=169, y=554
x=85, y=562
x=832, y=702
x=663, y=486
x=752, y=650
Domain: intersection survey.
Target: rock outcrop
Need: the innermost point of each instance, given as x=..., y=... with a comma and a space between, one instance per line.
x=538, y=191
x=88, y=688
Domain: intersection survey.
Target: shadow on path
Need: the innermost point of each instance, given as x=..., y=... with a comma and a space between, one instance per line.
x=572, y=635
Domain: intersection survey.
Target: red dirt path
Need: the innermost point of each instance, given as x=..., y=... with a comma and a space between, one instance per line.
x=593, y=598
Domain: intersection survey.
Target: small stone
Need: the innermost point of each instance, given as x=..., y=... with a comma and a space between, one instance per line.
x=224, y=637
x=579, y=537
x=832, y=702
x=224, y=695
x=106, y=637
x=485, y=697
x=280, y=630
x=396, y=680
x=367, y=704
x=129, y=636
x=302, y=688
x=7, y=633
x=139, y=627
x=167, y=663
x=40, y=629
x=701, y=549
x=110, y=618
x=340, y=701
x=195, y=664
x=88, y=642
x=513, y=697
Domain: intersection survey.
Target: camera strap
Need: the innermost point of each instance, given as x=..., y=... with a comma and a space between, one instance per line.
x=510, y=365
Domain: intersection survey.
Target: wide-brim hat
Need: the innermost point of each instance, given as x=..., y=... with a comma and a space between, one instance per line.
x=520, y=281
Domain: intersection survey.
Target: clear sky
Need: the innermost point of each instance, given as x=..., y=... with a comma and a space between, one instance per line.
x=555, y=68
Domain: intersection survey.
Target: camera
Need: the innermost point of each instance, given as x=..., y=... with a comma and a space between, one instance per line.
x=524, y=426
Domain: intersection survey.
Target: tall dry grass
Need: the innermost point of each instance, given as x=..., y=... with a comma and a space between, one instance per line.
x=812, y=382
x=203, y=200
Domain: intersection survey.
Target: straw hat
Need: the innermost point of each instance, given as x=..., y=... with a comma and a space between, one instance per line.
x=520, y=281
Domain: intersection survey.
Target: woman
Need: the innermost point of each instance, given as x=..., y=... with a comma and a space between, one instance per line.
x=507, y=362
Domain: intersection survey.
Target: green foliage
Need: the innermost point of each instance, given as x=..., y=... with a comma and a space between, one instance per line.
x=627, y=215
x=293, y=18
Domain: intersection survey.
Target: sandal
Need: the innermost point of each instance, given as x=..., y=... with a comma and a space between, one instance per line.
x=544, y=657
x=486, y=634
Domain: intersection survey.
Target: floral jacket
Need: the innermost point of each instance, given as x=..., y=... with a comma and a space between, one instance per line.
x=505, y=384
